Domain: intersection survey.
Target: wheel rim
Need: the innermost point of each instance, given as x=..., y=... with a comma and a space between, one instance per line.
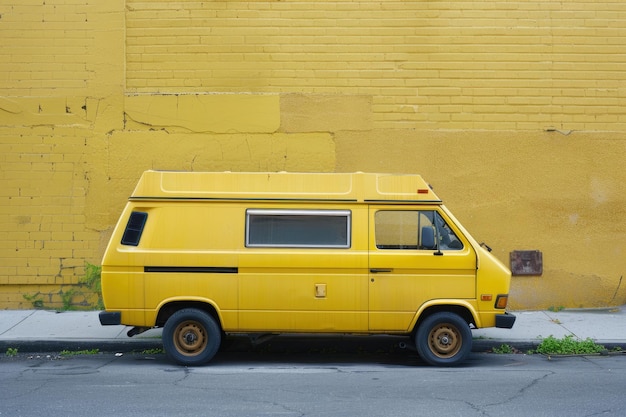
x=190, y=338
x=445, y=340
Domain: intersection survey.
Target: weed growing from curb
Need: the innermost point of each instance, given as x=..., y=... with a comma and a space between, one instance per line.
x=503, y=349
x=569, y=346
x=79, y=352
x=154, y=351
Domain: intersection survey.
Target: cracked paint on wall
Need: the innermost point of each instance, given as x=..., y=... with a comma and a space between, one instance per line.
x=210, y=113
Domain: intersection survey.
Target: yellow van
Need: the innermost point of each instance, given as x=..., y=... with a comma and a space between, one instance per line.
x=207, y=254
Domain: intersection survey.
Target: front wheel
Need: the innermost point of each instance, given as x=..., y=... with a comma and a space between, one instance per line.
x=444, y=339
x=191, y=337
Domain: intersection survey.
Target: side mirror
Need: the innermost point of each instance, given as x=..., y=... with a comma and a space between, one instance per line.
x=428, y=238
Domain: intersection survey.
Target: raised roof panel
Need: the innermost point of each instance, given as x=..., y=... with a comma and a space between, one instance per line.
x=282, y=186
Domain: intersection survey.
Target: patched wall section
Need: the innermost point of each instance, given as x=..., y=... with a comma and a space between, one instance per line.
x=561, y=194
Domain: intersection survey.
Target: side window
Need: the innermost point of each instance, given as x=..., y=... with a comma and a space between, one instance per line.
x=414, y=229
x=134, y=228
x=397, y=229
x=298, y=228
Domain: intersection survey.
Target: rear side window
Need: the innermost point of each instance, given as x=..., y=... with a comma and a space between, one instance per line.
x=298, y=228
x=134, y=228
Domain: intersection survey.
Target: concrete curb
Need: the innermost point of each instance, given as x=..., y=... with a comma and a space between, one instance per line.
x=47, y=346
x=341, y=344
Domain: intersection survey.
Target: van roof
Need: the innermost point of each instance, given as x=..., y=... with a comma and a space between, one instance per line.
x=341, y=187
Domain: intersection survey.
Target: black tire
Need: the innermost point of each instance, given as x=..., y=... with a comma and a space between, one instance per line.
x=191, y=337
x=444, y=339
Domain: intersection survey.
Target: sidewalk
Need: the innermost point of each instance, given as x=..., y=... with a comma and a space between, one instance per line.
x=50, y=331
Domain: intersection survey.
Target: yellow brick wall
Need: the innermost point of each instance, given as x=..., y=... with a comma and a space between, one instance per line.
x=61, y=88
x=514, y=111
x=517, y=65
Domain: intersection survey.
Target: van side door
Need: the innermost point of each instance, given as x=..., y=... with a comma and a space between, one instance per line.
x=416, y=255
x=304, y=269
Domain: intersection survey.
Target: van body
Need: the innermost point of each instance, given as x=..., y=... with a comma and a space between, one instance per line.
x=207, y=254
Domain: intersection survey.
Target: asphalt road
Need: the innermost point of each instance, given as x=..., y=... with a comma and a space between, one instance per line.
x=310, y=383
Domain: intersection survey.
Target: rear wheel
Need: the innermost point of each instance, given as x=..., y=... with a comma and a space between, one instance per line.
x=191, y=337
x=444, y=339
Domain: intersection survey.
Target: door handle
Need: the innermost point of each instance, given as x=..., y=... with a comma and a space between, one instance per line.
x=377, y=270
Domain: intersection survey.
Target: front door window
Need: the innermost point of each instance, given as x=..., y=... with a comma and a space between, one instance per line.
x=414, y=229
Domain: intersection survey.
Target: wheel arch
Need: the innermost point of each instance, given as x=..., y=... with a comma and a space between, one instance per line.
x=166, y=310
x=464, y=310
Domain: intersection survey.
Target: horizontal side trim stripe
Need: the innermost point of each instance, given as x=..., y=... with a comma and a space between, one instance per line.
x=193, y=269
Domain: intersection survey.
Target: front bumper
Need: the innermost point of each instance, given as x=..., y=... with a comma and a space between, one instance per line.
x=505, y=321
x=110, y=318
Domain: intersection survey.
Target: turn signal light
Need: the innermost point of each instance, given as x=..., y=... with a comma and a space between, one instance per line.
x=501, y=301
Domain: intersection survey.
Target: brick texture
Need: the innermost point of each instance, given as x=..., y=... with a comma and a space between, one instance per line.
x=516, y=65
x=44, y=45
x=42, y=204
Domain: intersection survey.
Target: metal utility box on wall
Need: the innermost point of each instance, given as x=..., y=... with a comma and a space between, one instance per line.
x=526, y=262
